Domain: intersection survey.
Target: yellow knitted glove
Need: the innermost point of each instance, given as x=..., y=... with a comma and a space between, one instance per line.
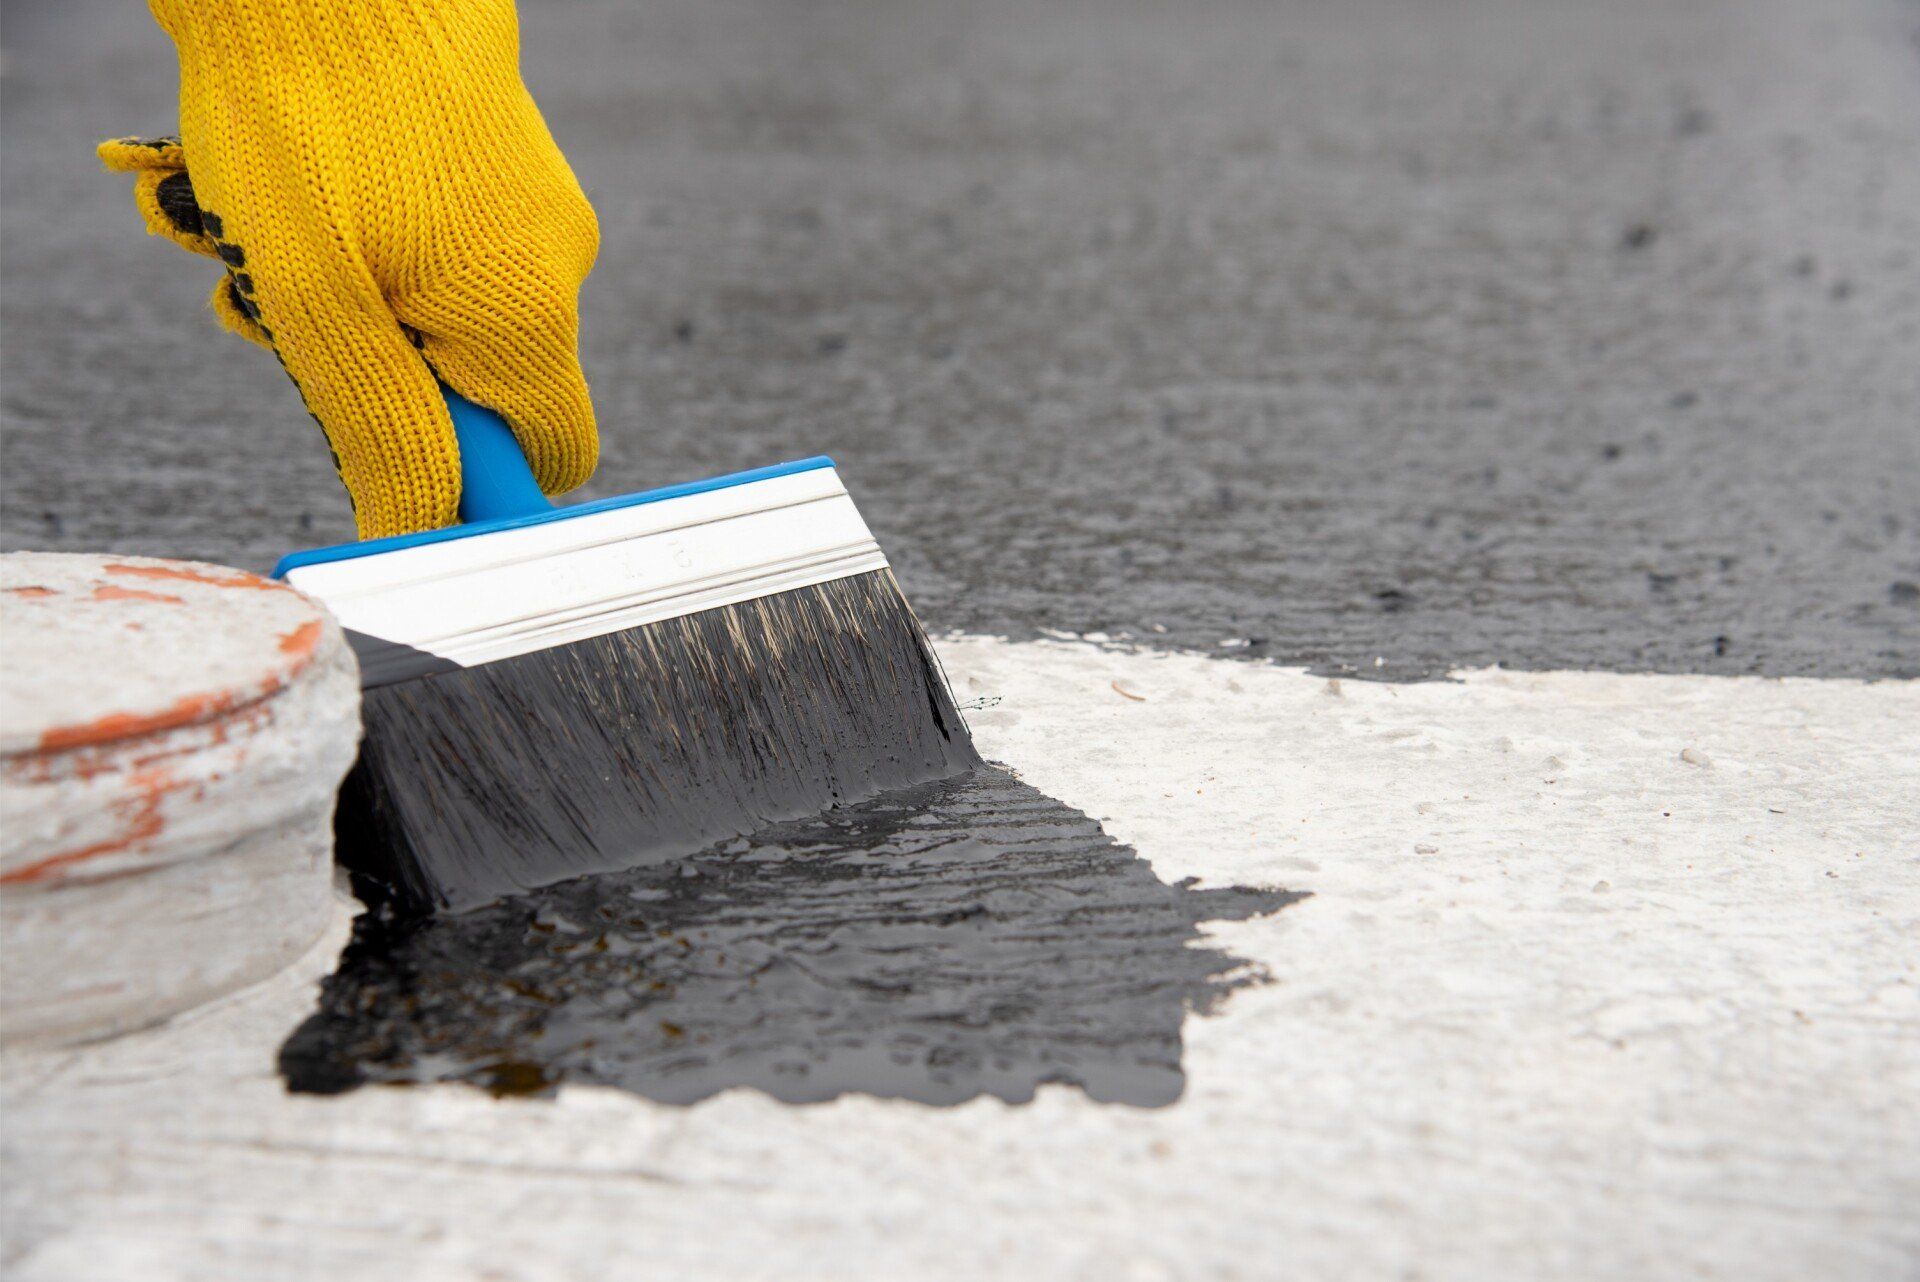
x=382, y=188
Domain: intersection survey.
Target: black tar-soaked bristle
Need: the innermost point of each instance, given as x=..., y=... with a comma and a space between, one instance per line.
x=644, y=745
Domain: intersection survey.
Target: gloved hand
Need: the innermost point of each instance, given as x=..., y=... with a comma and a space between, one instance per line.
x=389, y=206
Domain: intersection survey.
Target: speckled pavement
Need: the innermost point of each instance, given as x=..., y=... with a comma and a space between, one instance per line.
x=1543, y=334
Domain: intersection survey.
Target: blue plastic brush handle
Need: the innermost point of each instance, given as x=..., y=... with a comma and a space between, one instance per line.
x=495, y=480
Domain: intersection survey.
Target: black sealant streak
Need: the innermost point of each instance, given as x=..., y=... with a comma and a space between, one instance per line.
x=644, y=745
x=965, y=937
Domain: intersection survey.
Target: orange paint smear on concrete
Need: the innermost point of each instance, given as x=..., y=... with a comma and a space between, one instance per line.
x=300, y=642
x=143, y=824
x=182, y=712
x=110, y=592
x=93, y=760
x=34, y=590
x=125, y=725
x=251, y=582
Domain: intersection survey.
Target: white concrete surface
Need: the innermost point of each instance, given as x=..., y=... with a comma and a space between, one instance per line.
x=171, y=737
x=1603, y=977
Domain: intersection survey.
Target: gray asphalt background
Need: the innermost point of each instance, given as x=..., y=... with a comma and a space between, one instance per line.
x=1436, y=333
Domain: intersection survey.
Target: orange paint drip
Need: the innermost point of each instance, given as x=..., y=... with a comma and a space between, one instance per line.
x=144, y=824
x=251, y=582
x=112, y=593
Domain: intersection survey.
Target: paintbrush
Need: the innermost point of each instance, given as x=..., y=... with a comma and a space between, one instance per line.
x=555, y=691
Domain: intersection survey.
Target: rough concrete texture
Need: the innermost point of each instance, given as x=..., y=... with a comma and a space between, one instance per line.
x=171, y=738
x=1535, y=332
x=1604, y=977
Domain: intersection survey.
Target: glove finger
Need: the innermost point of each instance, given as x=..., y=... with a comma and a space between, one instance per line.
x=163, y=191
x=362, y=378
x=131, y=155
x=166, y=202
x=234, y=308
x=514, y=347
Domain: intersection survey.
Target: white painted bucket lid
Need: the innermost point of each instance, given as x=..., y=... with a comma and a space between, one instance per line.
x=171, y=738
x=98, y=648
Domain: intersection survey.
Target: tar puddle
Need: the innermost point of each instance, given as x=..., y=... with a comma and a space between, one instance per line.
x=961, y=938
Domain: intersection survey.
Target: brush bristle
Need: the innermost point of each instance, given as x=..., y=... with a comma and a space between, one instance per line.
x=644, y=745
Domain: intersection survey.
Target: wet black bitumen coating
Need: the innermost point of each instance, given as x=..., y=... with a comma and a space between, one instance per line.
x=643, y=745
x=1546, y=335
x=962, y=938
